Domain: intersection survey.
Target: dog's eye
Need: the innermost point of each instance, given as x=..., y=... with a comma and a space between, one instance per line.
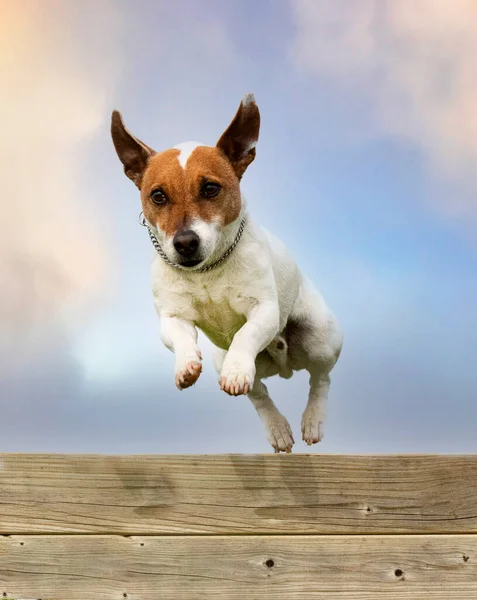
x=209, y=190
x=158, y=197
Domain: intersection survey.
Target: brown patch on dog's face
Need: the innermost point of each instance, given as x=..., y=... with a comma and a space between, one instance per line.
x=182, y=190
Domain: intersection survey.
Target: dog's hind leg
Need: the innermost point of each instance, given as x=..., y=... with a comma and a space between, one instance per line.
x=276, y=425
x=278, y=430
x=315, y=342
x=314, y=415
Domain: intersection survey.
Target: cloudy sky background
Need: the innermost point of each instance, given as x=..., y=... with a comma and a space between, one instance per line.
x=366, y=168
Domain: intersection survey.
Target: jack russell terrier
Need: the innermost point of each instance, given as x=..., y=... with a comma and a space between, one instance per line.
x=216, y=271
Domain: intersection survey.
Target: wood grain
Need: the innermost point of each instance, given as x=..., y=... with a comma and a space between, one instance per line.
x=183, y=495
x=239, y=567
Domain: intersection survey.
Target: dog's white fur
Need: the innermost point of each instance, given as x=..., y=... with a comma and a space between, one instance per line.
x=243, y=306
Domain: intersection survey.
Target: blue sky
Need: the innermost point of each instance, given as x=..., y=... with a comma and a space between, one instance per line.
x=365, y=168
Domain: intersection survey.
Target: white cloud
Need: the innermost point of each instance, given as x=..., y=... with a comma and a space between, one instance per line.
x=415, y=63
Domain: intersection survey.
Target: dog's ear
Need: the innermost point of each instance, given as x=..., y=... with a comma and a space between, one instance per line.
x=133, y=153
x=240, y=138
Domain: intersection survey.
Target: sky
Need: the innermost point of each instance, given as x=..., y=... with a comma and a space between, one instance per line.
x=366, y=168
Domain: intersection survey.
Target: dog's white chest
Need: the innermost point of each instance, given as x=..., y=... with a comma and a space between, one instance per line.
x=219, y=321
x=216, y=315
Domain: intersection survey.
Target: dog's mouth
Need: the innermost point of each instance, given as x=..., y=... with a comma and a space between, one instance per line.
x=188, y=264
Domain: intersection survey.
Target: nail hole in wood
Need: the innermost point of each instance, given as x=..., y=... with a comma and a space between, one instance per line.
x=398, y=573
x=270, y=563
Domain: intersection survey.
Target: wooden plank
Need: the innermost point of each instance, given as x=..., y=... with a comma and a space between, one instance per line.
x=239, y=567
x=183, y=495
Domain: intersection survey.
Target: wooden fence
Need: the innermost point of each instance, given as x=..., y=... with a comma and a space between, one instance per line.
x=272, y=527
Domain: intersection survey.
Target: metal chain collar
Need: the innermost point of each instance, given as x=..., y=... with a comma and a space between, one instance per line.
x=218, y=262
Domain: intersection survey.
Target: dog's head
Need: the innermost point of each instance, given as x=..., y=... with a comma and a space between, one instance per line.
x=191, y=192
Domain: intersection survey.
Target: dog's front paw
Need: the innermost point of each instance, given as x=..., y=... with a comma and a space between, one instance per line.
x=237, y=375
x=188, y=371
x=279, y=433
x=312, y=427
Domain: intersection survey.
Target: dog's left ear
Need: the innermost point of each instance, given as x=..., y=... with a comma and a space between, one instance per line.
x=240, y=138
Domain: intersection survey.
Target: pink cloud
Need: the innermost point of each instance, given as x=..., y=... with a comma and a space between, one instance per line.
x=52, y=258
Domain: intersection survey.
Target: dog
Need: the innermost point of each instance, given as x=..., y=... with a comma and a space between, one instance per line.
x=214, y=270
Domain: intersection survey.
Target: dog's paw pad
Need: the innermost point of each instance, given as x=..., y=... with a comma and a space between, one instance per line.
x=279, y=433
x=236, y=383
x=188, y=375
x=311, y=429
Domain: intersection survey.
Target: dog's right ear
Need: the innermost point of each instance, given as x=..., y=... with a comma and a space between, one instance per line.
x=133, y=153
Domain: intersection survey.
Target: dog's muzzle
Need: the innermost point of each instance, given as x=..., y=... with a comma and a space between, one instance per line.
x=194, y=261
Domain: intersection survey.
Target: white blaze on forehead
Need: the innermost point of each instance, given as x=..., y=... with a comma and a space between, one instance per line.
x=185, y=150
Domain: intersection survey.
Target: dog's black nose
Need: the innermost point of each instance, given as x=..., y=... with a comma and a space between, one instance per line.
x=186, y=243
